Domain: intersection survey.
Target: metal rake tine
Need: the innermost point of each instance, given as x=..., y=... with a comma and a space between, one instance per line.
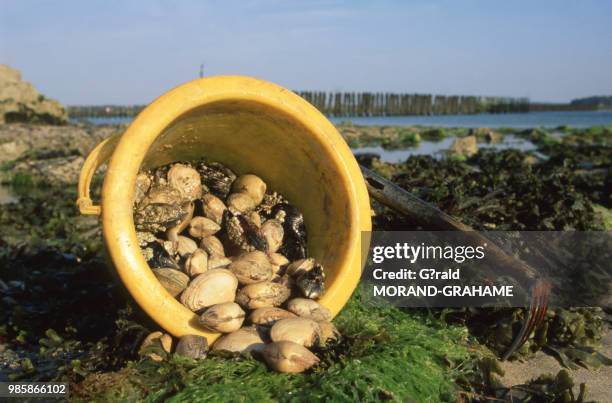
x=535, y=316
x=541, y=309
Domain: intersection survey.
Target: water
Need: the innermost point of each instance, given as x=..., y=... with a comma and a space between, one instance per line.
x=511, y=120
x=438, y=148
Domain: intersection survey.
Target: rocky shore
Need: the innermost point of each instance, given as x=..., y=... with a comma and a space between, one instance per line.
x=21, y=102
x=63, y=316
x=44, y=153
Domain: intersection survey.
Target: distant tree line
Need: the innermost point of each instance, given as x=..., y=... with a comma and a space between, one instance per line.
x=596, y=100
x=341, y=104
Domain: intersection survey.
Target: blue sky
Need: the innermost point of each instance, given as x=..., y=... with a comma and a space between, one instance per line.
x=97, y=52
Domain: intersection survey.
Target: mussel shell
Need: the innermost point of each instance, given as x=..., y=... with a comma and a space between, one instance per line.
x=217, y=178
x=312, y=283
x=161, y=257
x=294, y=244
x=242, y=233
x=300, y=266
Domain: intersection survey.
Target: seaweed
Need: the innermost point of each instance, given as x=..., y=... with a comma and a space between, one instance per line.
x=385, y=354
x=64, y=316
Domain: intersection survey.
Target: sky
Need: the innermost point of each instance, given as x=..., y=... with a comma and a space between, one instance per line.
x=130, y=52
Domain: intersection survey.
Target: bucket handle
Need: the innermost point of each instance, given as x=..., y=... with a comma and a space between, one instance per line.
x=98, y=156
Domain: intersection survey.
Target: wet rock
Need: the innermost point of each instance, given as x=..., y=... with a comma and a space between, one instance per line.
x=52, y=154
x=21, y=102
x=464, y=146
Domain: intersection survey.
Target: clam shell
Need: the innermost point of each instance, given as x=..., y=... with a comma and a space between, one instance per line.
x=241, y=341
x=174, y=281
x=164, y=340
x=213, y=246
x=185, y=246
x=201, y=227
x=251, y=185
x=261, y=295
x=289, y=357
x=162, y=195
x=213, y=287
x=269, y=315
x=273, y=231
x=186, y=180
x=196, y=263
x=278, y=261
x=143, y=183
x=307, y=308
x=223, y=318
x=328, y=333
x=192, y=346
x=298, y=330
x=172, y=233
x=213, y=207
x=251, y=267
x=240, y=202
x=217, y=262
x=255, y=218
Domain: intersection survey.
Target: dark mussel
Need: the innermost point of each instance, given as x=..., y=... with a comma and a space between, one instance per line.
x=216, y=178
x=243, y=233
x=161, y=258
x=294, y=244
x=312, y=282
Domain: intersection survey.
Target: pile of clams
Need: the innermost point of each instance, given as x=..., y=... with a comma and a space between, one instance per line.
x=233, y=252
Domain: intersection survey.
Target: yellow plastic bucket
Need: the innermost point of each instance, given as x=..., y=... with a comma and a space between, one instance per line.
x=252, y=126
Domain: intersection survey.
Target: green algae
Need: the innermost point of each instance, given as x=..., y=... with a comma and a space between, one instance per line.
x=385, y=354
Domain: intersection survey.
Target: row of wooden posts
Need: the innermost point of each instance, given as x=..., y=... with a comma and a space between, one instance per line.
x=392, y=104
x=347, y=104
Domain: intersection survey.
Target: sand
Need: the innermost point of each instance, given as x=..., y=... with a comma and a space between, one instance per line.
x=598, y=381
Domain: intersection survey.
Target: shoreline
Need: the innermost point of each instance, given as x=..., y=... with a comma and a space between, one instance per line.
x=55, y=153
